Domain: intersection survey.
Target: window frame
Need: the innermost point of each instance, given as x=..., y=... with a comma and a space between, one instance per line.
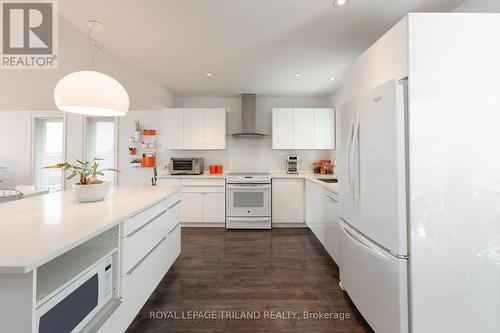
x=115, y=147
x=33, y=153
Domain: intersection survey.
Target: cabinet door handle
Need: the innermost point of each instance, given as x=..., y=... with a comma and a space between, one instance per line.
x=147, y=255
x=145, y=224
x=174, y=204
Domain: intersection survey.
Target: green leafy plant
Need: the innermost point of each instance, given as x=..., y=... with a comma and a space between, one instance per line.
x=87, y=170
x=138, y=125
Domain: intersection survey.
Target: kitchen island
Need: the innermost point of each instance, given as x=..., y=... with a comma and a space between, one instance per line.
x=49, y=242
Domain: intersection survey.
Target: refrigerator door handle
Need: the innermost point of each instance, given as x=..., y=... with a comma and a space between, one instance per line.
x=349, y=142
x=364, y=243
x=355, y=149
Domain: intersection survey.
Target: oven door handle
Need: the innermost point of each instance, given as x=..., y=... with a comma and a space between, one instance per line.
x=245, y=219
x=249, y=186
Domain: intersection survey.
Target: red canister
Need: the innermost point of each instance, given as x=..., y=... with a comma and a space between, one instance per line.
x=219, y=169
x=213, y=169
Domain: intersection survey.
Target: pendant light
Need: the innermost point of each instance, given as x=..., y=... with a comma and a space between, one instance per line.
x=91, y=93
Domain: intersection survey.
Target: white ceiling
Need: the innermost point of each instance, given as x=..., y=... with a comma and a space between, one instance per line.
x=251, y=46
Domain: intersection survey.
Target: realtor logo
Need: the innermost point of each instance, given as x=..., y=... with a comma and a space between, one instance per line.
x=29, y=34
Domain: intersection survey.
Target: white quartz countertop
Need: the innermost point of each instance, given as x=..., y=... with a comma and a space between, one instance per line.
x=36, y=230
x=332, y=187
x=203, y=175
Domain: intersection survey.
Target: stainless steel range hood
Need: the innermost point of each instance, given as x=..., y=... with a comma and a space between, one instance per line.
x=248, y=116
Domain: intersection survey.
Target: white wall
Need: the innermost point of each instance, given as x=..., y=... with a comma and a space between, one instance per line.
x=33, y=89
x=479, y=6
x=337, y=98
x=386, y=59
x=24, y=93
x=252, y=154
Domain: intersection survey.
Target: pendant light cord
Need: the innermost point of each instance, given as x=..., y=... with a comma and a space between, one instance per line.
x=98, y=46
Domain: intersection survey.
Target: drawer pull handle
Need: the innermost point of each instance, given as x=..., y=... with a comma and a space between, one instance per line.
x=147, y=255
x=172, y=230
x=175, y=204
x=145, y=224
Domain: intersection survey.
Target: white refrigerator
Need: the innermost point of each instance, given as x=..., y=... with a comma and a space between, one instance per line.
x=372, y=164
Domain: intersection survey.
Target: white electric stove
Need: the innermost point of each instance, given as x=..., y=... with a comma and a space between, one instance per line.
x=248, y=199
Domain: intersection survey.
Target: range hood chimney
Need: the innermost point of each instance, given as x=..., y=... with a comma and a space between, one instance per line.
x=248, y=116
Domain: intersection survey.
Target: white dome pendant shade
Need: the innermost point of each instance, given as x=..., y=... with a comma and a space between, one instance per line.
x=91, y=93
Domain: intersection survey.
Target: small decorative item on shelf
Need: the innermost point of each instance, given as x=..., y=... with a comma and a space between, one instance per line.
x=138, y=130
x=132, y=150
x=135, y=163
x=89, y=188
x=149, y=132
x=148, y=159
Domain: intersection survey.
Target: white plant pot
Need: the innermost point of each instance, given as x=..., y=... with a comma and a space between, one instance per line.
x=91, y=193
x=137, y=136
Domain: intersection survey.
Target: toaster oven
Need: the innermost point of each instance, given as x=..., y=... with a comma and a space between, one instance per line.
x=186, y=166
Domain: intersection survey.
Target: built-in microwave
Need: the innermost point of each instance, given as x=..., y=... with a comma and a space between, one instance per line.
x=74, y=306
x=186, y=166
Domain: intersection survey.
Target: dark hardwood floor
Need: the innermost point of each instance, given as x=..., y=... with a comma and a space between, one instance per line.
x=263, y=271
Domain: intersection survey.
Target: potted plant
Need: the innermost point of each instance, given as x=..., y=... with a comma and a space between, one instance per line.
x=89, y=188
x=138, y=130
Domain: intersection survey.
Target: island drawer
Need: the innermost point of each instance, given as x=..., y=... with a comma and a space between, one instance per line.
x=174, y=244
x=138, y=243
x=139, y=283
x=137, y=221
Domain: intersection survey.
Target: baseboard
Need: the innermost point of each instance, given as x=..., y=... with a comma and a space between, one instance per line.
x=289, y=225
x=202, y=225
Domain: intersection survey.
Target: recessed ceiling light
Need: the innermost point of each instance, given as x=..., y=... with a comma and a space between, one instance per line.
x=209, y=74
x=339, y=2
x=332, y=79
x=297, y=74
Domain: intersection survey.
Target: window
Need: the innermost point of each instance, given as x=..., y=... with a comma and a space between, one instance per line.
x=48, y=149
x=101, y=143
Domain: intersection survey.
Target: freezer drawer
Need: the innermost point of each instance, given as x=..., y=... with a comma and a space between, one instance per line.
x=376, y=282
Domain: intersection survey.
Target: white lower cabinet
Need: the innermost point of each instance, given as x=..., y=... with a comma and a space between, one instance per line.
x=314, y=210
x=192, y=207
x=203, y=200
x=146, y=259
x=288, y=202
x=214, y=207
x=332, y=228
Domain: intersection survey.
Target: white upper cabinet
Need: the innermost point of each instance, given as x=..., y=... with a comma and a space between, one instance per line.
x=282, y=128
x=195, y=129
x=324, y=124
x=173, y=136
x=215, y=129
x=303, y=128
